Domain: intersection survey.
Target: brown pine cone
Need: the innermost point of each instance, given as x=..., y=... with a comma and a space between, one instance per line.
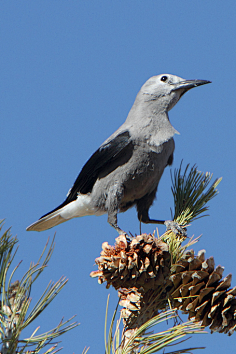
x=142, y=263
x=200, y=292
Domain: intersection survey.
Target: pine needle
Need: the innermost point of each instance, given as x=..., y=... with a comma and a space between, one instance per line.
x=151, y=343
x=191, y=194
x=15, y=301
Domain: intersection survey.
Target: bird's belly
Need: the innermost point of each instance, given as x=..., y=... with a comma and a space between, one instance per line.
x=145, y=177
x=143, y=180
x=132, y=180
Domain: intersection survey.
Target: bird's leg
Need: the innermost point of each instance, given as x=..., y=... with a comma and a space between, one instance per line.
x=112, y=220
x=170, y=225
x=144, y=217
x=113, y=202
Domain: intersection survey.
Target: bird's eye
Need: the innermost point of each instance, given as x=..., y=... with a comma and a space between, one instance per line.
x=164, y=78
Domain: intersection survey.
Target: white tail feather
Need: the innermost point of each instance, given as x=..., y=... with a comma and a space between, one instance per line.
x=79, y=207
x=47, y=222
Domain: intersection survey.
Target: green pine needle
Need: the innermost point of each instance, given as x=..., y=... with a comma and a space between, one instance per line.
x=191, y=194
x=15, y=301
x=143, y=341
x=85, y=351
x=109, y=341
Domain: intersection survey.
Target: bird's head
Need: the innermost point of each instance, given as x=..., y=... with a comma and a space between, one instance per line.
x=166, y=89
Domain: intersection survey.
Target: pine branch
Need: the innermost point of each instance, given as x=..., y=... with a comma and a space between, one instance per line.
x=15, y=301
x=191, y=194
x=142, y=341
x=191, y=191
x=148, y=271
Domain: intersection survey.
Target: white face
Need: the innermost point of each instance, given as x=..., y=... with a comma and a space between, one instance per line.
x=161, y=84
x=164, y=89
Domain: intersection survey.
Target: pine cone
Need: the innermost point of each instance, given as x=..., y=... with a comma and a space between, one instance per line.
x=140, y=306
x=200, y=292
x=142, y=263
x=130, y=300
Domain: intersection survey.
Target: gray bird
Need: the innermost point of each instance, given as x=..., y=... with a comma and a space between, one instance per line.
x=127, y=167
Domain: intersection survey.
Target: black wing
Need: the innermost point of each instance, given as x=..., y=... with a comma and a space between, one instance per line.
x=107, y=158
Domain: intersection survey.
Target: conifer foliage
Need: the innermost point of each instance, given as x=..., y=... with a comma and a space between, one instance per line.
x=153, y=273
x=154, y=278
x=15, y=315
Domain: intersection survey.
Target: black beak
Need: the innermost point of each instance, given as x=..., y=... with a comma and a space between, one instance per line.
x=188, y=84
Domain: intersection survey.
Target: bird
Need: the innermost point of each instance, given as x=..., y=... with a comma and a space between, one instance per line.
x=126, y=169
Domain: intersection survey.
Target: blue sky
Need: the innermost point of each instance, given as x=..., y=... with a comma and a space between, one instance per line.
x=70, y=71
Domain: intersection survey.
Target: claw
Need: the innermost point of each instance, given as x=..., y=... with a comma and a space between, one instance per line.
x=175, y=228
x=122, y=232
